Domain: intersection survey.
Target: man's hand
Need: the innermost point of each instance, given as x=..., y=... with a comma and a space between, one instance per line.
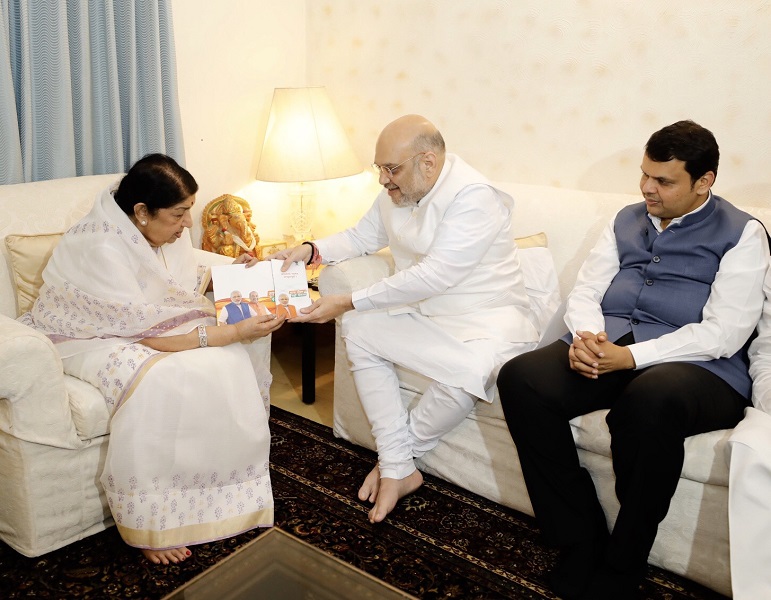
x=301, y=253
x=324, y=309
x=253, y=328
x=591, y=355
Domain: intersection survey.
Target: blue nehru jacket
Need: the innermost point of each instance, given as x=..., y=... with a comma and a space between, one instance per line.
x=665, y=278
x=237, y=312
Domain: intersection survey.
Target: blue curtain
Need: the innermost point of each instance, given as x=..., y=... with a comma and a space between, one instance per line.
x=86, y=87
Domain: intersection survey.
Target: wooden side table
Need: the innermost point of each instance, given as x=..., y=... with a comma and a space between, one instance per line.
x=308, y=348
x=308, y=357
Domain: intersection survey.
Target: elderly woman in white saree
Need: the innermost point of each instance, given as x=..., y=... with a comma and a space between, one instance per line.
x=122, y=300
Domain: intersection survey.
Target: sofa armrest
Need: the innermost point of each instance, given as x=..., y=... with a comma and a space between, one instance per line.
x=33, y=400
x=356, y=273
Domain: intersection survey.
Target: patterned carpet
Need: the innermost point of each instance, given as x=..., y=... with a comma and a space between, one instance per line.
x=441, y=542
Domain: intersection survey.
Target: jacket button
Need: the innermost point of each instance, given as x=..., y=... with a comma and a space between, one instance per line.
x=656, y=259
x=649, y=282
x=635, y=322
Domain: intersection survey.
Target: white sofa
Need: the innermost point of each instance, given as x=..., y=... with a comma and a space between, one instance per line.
x=480, y=456
x=53, y=427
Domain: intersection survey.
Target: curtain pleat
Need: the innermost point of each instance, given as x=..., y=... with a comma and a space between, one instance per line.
x=11, y=167
x=88, y=87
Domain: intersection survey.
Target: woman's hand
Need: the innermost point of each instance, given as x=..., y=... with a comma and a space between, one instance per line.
x=246, y=259
x=247, y=330
x=254, y=328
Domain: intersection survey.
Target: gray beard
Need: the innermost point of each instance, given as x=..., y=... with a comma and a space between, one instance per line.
x=405, y=202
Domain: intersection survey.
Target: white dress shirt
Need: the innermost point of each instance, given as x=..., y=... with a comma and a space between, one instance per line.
x=760, y=355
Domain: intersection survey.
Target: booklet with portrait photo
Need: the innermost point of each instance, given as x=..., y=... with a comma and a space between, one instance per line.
x=241, y=292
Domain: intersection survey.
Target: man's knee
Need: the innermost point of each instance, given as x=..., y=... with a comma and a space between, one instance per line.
x=516, y=374
x=522, y=380
x=650, y=404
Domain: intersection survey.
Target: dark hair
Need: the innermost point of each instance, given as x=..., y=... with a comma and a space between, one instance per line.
x=686, y=141
x=157, y=181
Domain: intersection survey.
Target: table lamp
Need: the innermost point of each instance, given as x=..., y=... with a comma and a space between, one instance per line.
x=304, y=142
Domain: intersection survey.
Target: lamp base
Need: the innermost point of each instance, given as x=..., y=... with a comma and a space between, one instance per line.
x=302, y=204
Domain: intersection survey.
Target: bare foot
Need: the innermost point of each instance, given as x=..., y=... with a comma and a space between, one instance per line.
x=164, y=557
x=391, y=491
x=369, y=489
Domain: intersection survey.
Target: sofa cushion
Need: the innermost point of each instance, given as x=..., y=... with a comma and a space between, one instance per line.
x=29, y=255
x=536, y=240
x=541, y=284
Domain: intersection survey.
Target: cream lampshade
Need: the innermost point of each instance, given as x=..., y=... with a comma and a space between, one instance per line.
x=304, y=142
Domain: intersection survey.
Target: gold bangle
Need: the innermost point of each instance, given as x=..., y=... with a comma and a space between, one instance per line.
x=203, y=339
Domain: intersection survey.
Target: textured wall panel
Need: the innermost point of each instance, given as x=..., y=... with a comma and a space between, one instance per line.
x=564, y=92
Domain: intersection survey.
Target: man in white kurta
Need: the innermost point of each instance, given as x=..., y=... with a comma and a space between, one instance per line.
x=454, y=310
x=749, y=486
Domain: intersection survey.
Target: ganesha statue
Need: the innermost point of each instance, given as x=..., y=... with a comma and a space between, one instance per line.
x=228, y=228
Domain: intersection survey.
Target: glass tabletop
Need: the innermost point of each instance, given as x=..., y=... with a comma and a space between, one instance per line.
x=277, y=565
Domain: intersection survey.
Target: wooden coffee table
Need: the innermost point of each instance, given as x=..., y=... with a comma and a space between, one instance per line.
x=278, y=566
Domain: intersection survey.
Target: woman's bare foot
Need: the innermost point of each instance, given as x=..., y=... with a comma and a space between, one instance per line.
x=369, y=489
x=390, y=492
x=164, y=557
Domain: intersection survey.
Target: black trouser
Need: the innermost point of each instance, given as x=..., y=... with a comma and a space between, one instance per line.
x=652, y=411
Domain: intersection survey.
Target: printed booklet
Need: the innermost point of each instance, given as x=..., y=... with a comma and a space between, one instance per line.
x=259, y=290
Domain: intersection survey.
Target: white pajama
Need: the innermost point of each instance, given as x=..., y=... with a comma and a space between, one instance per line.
x=462, y=371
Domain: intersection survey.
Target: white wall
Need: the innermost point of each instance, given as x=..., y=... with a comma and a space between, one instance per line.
x=230, y=56
x=563, y=92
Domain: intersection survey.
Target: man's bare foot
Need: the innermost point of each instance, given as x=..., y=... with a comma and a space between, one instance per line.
x=369, y=489
x=164, y=557
x=391, y=491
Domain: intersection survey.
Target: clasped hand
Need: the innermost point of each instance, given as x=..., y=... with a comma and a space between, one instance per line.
x=592, y=354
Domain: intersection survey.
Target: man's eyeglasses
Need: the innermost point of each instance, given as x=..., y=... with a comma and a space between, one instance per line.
x=389, y=171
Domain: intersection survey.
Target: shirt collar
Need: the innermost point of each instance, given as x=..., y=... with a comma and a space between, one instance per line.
x=438, y=183
x=657, y=220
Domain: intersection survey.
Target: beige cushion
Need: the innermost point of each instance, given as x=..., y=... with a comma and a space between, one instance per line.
x=537, y=240
x=29, y=255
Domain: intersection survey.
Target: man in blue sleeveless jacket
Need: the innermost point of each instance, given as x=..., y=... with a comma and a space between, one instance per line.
x=659, y=321
x=235, y=310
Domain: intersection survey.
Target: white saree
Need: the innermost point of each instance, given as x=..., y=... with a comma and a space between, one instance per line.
x=187, y=460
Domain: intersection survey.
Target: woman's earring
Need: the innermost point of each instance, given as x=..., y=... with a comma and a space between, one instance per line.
x=144, y=222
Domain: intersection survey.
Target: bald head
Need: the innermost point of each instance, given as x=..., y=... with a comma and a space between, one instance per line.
x=410, y=133
x=414, y=149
